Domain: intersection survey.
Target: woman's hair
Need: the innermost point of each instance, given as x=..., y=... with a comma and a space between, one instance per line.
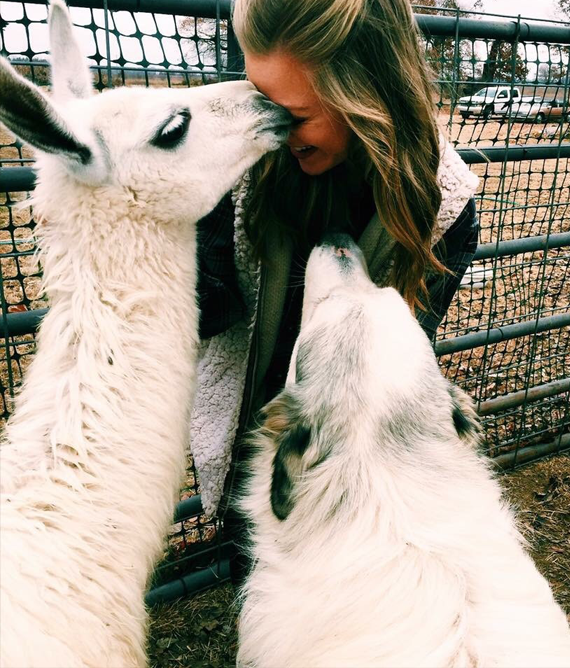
x=366, y=64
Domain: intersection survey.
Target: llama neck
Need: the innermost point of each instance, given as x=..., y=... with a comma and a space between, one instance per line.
x=105, y=404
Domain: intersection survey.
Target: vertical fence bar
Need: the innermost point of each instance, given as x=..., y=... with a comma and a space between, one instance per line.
x=218, y=42
x=456, y=71
x=108, y=44
x=235, y=56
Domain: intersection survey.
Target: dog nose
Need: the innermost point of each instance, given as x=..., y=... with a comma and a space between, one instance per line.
x=341, y=242
x=342, y=247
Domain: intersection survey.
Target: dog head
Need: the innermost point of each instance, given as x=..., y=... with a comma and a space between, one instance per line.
x=363, y=378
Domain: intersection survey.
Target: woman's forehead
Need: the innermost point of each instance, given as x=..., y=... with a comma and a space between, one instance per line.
x=283, y=79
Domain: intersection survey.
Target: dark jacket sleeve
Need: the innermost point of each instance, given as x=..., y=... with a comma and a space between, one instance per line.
x=455, y=250
x=219, y=299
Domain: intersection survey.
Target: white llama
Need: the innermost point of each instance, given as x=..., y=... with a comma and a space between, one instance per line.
x=379, y=537
x=94, y=453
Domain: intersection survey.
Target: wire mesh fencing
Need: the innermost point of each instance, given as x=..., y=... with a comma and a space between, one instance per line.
x=502, y=95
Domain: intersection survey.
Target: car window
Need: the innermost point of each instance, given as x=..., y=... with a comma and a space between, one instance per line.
x=486, y=91
x=502, y=95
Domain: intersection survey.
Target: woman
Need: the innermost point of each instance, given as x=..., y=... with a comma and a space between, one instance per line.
x=364, y=156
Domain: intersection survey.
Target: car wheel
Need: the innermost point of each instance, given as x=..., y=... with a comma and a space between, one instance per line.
x=487, y=112
x=540, y=118
x=464, y=115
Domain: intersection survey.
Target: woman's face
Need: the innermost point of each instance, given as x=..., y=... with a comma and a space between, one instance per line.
x=319, y=138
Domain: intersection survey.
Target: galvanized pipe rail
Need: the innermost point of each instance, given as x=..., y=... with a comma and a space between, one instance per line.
x=541, y=242
x=515, y=399
x=499, y=334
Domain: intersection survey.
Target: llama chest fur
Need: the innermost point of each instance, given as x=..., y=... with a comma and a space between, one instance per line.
x=117, y=345
x=92, y=459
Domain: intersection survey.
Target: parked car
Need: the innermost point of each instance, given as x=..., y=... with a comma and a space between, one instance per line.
x=541, y=111
x=491, y=100
x=526, y=111
x=553, y=110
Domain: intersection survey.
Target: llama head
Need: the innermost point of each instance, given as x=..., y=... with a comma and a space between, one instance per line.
x=176, y=150
x=363, y=377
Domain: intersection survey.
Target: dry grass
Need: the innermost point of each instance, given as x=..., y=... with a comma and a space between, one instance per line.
x=199, y=632
x=541, y=494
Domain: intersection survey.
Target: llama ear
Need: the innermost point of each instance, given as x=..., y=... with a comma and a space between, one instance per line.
x=465, y=419
x=287, y=467
x=70, y=73
x=29, y=114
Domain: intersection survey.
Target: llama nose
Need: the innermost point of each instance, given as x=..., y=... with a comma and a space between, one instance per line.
x=281, y=115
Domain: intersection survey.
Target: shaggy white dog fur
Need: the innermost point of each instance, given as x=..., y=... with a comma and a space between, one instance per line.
x=94, y=453
x=378, y=533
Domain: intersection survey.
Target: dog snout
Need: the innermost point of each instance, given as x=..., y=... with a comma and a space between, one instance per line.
x=340, y=243
x=342, y=247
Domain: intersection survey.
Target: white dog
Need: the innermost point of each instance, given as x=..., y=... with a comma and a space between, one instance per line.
x=378, y=534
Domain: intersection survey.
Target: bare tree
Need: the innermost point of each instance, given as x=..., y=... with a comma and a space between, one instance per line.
x=564, y=8
x=499, y=64
x=441, y=51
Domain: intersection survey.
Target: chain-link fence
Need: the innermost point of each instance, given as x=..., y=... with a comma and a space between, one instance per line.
x=502, y=96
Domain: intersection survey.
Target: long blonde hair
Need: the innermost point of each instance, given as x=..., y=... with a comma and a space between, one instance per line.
x=366, y=64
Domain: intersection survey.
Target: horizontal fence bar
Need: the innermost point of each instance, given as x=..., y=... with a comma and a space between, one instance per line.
x=22, y=322
x=485, y=154
x=515, y=399
x=430, y=25
x=531, y=453
x=190, y=584
x=507, y=31
x=498, y=334
x=17, y=179
x=187, y=508
x=518, y=246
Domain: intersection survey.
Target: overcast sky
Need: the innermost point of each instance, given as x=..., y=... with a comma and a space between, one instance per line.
x=539, y=9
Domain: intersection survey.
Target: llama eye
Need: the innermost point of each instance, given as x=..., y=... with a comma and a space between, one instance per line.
x=173, y=132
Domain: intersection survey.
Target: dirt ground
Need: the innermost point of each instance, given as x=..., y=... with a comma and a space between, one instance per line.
x=201, y=632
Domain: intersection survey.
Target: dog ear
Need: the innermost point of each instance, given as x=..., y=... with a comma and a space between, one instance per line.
x=287, y=467
x=465, y=419
x=284, y=425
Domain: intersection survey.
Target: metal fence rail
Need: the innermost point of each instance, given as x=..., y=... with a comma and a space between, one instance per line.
x=506, y=337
